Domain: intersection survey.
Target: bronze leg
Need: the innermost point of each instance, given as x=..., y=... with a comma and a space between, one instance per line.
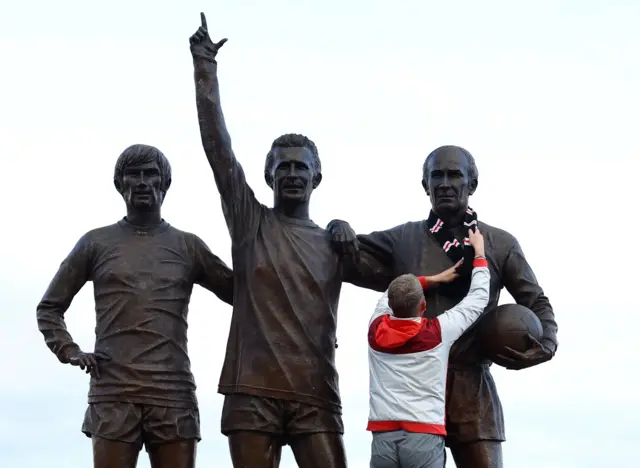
x=481, y=454
x=319, y=450
x=254, y=450
x=180, y=454
x=114, y=454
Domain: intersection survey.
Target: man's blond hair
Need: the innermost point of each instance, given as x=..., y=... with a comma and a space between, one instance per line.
x=405, y=295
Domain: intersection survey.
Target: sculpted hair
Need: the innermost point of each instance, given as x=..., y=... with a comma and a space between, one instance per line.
x=405, y=296
x=136, y=155
x=473, y=169
x=291, y=140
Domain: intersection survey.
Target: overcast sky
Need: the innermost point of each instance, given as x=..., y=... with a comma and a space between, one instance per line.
x=544, y=94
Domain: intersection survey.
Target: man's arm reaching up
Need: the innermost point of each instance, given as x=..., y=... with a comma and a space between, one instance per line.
x=455, y=321
x=446, y=276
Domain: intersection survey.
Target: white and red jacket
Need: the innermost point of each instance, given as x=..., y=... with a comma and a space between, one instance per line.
x=408, y=360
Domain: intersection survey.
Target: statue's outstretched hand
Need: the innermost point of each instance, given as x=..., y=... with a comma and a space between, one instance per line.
x=201, y=44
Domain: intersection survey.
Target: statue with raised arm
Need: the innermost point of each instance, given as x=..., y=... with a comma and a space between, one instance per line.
x=142, y=391
x=279, y=376
x=474, y=424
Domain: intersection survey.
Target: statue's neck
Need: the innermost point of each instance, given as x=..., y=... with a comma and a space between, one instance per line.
x=144, y=218
x=296, y=210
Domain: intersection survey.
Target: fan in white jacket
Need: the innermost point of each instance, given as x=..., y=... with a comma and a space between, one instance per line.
x=408, y=357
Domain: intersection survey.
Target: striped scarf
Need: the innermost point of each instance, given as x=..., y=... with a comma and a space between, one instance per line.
x=450, y=244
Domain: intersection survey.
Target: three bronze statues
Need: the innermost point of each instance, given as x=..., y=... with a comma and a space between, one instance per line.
x=279, y=376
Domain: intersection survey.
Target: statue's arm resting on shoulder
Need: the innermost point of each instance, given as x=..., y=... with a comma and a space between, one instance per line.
x=212, y=273
x=520, y=281
x=368, y=259
x=239, y=204
x=73, y=273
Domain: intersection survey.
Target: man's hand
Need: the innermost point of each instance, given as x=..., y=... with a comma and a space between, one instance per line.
x=477, y=241
x=201, y=44
x=446, y=276
x=344, y=240
x=536, y=354
x=88, y=362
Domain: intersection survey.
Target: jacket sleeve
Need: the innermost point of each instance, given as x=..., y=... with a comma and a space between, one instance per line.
x=455, y=321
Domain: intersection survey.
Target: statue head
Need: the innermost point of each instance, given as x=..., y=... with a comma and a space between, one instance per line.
x=406, y=297
x=292, y=168
x=449, y=177
x=142, y=176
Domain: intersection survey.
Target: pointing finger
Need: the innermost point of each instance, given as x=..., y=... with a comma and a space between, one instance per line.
x=203, y=20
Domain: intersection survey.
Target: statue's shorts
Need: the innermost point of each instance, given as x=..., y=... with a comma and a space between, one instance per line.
x=280, y=418
x=141, y=424
x=473, y=408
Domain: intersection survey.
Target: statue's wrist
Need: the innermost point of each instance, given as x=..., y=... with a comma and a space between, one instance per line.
x=549, y=346
x=68, y=352
x=204, y=59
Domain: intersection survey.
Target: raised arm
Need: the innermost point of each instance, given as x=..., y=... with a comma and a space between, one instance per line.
x=519, y=280
x=211, y=272
x=73, y=273
x=455, y=321
x=239, y=203
x=368, y=259
x=427, y=282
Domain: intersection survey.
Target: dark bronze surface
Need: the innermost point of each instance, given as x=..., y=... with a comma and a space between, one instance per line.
x=281, y=350
x=279, y=377
x=475, y=423
x=143, y=270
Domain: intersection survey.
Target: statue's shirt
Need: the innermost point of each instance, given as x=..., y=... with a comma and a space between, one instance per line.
x=287, y=284
x=473, y=408
x=142, y=282
x=410, y=248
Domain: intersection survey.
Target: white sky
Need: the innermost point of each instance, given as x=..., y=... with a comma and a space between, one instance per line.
x=544, y=94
